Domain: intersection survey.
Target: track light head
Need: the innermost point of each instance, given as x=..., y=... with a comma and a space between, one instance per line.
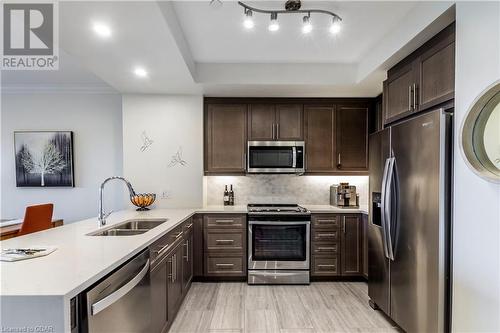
x=306, y=24
x=248, y=20
x=336, y=26
x=274, y=25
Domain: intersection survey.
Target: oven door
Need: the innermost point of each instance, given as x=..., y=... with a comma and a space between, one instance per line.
x=274, y=245
x=275, y=157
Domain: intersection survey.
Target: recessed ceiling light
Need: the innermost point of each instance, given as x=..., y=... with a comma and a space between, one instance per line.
x=102, y=30
x=140, y=72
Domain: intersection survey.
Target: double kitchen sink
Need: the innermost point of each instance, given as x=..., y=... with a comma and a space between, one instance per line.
x=130, y=228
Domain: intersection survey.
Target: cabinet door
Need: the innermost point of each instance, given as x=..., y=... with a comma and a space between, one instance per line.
x=352, y=138
x=289, y=122
x=261, y=122
x=159, y=319
x=437, y=74
x=187, y=262
x=225, y=138
x=352, y=247
x=198, y=245
x=174, y=286
x=320, y=138
x=399, y=93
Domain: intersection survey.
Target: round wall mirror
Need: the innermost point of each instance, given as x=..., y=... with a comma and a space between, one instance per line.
x=480, y=135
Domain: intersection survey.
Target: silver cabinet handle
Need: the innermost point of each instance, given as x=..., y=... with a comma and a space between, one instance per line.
x=324, y=266
x=272, y=131
x=224, y=221
x=189, y=226
x=224, y=265
x=162, y=250
x=224, y=241
x=339, y=164
x=325, y=235
x=277, y=131
x=187, y=250
x=321, y=248
x=414, y=96
x=326, y=221
x=343, y=224
x=178, y=235
x=409, y=99
x=110, y=299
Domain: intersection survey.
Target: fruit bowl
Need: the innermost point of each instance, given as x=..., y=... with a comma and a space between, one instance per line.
x=143, y=200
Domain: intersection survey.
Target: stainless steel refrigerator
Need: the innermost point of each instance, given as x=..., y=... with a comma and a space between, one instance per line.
x=410, y=221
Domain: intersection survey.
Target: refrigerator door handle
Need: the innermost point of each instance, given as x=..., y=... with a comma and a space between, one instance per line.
x=383, y=203
x=388, y=208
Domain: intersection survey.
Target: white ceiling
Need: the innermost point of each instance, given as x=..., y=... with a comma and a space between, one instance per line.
x=190, y=48
x=217, y=35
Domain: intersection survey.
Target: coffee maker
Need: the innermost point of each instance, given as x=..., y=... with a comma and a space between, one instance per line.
x=344, y=195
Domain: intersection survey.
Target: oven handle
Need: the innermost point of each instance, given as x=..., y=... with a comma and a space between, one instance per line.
x=294, y=157
x=279, y=222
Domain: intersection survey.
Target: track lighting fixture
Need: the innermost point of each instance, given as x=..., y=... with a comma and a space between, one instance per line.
x=291, y=7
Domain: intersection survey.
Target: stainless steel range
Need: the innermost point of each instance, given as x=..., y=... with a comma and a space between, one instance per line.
x=278, y=244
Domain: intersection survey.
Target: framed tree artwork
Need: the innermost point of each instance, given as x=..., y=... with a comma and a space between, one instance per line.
x=44, y=158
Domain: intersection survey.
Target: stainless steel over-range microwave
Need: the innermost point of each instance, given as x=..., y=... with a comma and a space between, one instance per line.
x=276, y=157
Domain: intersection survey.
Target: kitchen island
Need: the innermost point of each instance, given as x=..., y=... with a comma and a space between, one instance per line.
x=35, y=294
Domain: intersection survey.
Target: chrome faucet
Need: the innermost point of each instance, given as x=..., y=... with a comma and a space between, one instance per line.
x=102, y=216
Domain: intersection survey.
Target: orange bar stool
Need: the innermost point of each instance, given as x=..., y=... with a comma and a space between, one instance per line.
x=37, y=218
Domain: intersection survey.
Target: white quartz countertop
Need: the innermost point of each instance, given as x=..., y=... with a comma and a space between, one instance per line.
x=81, y=260
x=336, y=210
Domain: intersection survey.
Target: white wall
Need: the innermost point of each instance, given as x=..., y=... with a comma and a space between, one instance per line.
x=476, y=234
x=172, y=122
x=96, y=122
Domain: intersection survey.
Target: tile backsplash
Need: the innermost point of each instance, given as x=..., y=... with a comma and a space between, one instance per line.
x=312, y=190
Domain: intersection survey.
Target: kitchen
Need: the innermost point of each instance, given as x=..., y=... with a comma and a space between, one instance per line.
x=287, y=256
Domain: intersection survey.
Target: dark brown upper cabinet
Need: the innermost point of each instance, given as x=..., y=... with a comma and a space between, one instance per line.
x=261, y=122
x=424, y=79
x=399, y=93
x=352, y=137
x=225, y=138
x=320, y=138
x=268, y=122
x=289, y=121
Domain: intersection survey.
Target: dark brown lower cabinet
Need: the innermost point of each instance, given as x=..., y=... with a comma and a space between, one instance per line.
x=337, y=245
x=352, y=245
x=159, y=313
x=187, y=260
x=174, y=285
x=197, y=245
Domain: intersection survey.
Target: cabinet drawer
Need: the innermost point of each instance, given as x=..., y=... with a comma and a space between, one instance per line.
x=325, y=236
x=225, y=221
x=223, y=240
x=325, y=265
x=326, y=221
x=325, y=248
x=223, y=265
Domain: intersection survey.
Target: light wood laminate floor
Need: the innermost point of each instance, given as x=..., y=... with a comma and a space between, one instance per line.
x=319, y=307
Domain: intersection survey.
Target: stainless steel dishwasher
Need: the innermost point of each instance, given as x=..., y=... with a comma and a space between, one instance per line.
x=122, y=301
